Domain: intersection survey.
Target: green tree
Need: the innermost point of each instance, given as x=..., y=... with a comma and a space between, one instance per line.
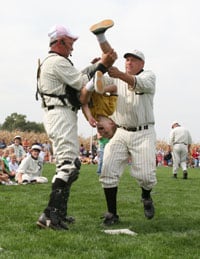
x=18, y=122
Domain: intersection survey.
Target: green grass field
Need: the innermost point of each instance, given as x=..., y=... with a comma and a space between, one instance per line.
x=174, y=232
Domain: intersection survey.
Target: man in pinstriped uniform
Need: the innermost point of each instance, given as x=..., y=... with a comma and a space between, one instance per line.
x=135, y=136
x=57, y=79
x=180, y=142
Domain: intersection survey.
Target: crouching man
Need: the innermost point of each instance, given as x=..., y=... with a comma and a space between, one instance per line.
x=30, y=169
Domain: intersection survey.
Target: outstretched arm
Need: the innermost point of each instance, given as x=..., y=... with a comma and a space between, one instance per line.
x=88, y=115
x=116, y=73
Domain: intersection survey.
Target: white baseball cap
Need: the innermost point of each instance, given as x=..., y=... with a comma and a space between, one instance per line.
x=36, y=147
x=17, y=137
x=174, y=123
x=58, y=31
x=135, y=53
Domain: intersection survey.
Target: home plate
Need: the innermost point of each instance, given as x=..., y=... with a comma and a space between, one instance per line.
x=120, y=231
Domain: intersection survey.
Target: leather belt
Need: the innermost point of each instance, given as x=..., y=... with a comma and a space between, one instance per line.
x=51, y=107
x=145, y=127
x=180, y=143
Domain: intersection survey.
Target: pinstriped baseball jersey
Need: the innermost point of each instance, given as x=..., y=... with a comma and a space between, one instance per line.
x=56, y=73
x=134, y=109
x=61, y=121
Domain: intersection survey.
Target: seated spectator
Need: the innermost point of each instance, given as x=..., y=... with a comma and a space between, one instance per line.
x=36, y=142
x=2, y=143
x=195, y=156
x=82, y=149
x=25, y=144
x=5, y=164
x=1, y=153
x=30, y=169
x=42, y=154
x=46, y=147
x=168, y=158
x=13, y=165
x=3, y=177
x=11, y=151
x=18, y=148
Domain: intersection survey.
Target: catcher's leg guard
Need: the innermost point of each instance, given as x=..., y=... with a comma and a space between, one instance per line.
x=68, y=171
x=57, y=206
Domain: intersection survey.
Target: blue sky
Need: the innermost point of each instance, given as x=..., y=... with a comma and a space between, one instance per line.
x=168, y=33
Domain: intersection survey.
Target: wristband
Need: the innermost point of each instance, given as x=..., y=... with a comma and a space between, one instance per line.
x=101, y=68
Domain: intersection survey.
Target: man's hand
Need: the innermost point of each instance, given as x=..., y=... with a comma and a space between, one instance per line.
x=95, y=60
x=114, y=72
x=109, y=58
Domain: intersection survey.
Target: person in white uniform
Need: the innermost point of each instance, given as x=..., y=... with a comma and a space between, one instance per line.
x=180, y=141
x=134, y=137
x=30, y=168
x=62, y=90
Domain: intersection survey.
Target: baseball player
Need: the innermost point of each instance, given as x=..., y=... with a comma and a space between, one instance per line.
x=135, y=136
x=179, y=144
x=59, y=84
x=30, y=169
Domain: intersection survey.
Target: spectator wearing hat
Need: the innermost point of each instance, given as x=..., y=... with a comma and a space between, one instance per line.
x=30, y=169
x=18, y=149
x=179, y=144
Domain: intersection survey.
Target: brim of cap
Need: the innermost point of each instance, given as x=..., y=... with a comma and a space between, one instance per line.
x=133, y=55
x=73, y=37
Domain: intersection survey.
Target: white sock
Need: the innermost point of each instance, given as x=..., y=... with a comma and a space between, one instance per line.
x=90, y=85
x=101, y=37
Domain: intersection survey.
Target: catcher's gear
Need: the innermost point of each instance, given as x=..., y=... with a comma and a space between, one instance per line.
x=71, y=94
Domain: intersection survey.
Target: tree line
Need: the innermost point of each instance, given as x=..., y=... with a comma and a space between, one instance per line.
x=19, y=122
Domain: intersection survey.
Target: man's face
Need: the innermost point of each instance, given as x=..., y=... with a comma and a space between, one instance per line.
x=66, y=45
x=133, y=65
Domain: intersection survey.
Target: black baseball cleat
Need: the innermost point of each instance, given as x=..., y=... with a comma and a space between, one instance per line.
x=45, y=222
x=101, y=27
x=175, y=176
x=185, y=174
x=148, y=208
x=110, y=219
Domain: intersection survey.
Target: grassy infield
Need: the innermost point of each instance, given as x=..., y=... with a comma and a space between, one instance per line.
x=173, y=233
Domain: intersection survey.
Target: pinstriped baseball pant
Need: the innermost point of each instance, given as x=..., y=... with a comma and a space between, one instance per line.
x=61, y=126
x=140, y=146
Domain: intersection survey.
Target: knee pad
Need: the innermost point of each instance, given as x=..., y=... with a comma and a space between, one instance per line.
x=68, y=171
x=73, y=176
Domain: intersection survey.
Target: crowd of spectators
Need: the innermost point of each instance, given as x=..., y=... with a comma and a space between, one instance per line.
x=14, y=152
x=164, y=158
x=89, y=156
